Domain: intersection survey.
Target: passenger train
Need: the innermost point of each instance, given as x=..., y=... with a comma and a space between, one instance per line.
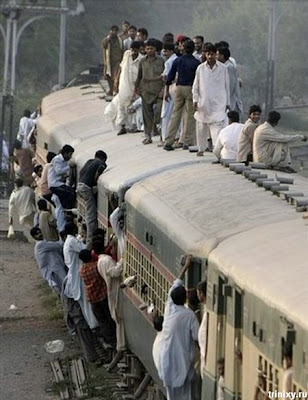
x=249, y=243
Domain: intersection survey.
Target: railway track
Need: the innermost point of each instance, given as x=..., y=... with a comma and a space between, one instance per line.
x=75, y=379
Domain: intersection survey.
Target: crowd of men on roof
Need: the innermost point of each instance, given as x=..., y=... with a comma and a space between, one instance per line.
x=188, y=92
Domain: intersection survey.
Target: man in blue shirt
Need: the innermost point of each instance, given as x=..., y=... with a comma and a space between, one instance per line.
x=185, y=68
x=57, y=175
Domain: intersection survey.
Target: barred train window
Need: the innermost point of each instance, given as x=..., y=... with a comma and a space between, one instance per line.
x=147, y=274
x=270, y=372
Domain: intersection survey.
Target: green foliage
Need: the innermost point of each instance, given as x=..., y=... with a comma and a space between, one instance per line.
x=50, y=302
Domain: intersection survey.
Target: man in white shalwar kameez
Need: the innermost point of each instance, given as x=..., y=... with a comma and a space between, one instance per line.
x=74, y=287
x=111, y=272
x=177, y=352
x=26, y=125
x=271, y=147
x=166, y=112
x=49, y=258
x=22, y=202
x=226, y=143
x=211, y=97
x=203, y=330
x=117, y=110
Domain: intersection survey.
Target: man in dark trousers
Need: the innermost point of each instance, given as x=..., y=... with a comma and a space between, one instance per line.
x=87, y=189
x=185, y=68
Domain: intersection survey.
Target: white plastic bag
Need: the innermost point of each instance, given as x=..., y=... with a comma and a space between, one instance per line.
x=11, y=233
x=55, y=346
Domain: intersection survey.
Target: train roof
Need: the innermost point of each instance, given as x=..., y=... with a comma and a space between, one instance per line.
x=271, y=262
x=72, y=116
x=252, y=235
x=201, y=205
x=76, y=116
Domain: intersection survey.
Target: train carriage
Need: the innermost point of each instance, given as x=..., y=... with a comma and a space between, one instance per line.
x=212, y=208
x=249, y=244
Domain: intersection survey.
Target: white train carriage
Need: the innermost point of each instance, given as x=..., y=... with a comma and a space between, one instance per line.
x=257, y=301
x=177, y=203
x=240, y=233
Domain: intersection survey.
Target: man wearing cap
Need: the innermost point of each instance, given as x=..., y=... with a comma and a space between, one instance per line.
x=150, y=85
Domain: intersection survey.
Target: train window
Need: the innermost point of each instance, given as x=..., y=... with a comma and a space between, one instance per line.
x=148, y=276
x=221, y=297
x=276, y=379
x=254, y=328
x=270, y=373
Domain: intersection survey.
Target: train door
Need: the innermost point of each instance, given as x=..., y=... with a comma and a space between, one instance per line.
x=231, y=320
x=221, y=318
x=238, y=343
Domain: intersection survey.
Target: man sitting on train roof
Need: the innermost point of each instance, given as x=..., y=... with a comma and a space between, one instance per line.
x=271, y=147
x=57, y=174
x=179, y=334
x=245, y=140
x=226, y=143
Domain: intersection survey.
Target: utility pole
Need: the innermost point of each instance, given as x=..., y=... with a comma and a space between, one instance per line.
x=63, y=21
x=11, y=35
x=274, y=18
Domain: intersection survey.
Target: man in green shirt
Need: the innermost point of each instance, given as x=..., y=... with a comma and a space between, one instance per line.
x=150, y=86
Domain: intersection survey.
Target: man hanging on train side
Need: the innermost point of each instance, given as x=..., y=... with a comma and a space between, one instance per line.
x=57, y=176
x=179, y=334
x=87, y=189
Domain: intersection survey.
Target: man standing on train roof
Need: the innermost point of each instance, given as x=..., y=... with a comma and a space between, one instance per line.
x=271, y=147
x=87, y=189
x=211, y=97
x=170, y=56
x=223, y=55
x=198, y=42
x=128, y=76
x=245, y=140
x=57, y=175
x=124, y=34
x=185, y=68
x=150, y=85
x=142, y=35
x=112, y=48
x=132, y=32
x=179, y=334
